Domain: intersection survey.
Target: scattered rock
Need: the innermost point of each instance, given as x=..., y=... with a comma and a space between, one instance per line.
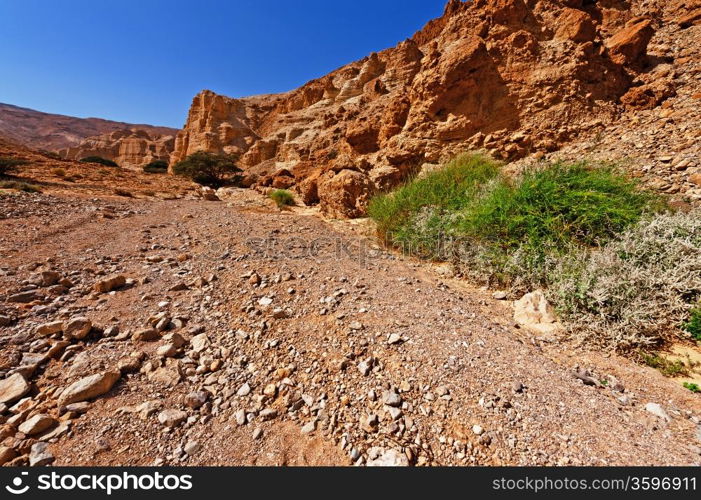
x=109, y=284
x=37, y=424
x=391, y=398
x=658, y=411
x=12, y=388
x=379, y=457
x=49, y=328
x=39, y=455
x=172, y=418
x=309, y=427
x=192, y=447
x=77, y=328
x=196, y=399
x=268, y=414
x=533, y=312
x=89, y=387
x=146, y=335
x=394, y=339
x=6, y=455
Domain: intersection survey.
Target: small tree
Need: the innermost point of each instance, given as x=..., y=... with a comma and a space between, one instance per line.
x=8, y=164
x=209, y=169
x=156, y=167
x=99, y=160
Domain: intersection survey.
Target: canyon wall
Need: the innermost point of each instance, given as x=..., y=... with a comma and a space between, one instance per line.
x=517, y=78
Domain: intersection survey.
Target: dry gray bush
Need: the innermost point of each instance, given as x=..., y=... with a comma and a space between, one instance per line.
x=638, y=289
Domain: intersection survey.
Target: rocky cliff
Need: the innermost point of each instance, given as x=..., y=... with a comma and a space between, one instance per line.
x=128, y=148
x=51, y=132
x=518, y=78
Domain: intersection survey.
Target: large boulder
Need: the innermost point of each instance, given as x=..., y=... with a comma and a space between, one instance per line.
x=575, y=25
x=628, y=47
x=345, y=194
x=533, y=312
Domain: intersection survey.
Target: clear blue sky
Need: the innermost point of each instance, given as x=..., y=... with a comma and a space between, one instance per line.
x=142, y=61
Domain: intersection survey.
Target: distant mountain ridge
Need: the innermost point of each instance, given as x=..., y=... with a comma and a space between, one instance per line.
x=53, y=132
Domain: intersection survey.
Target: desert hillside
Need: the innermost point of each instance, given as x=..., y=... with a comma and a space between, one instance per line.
x=76, y=138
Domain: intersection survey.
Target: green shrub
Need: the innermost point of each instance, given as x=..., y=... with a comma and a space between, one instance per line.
x=156, y=167
x=9, y=164
x=666, y=367
x=692, y=387
x=20, y=186
x=557, y=205
x=418, y=215
x=209, y=169
x=693, y=325
x=638, y=289
x=282, y=198
x=508, y=231
x=99, y=160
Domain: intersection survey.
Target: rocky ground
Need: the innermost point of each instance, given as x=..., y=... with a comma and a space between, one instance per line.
x=140, y=331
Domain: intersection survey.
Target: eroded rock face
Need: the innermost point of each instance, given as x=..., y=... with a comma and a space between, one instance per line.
x=130, y=149
x=512, y=77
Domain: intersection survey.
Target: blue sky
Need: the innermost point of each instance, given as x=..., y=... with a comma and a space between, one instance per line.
x=142, y=61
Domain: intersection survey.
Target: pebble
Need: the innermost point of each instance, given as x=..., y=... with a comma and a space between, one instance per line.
x=240, y=417
x=391, y=398
x=309, y=427
x=244, y=390
x=39, y=456
x=658, y=411
x=394, y=338
x=172, y=417
x=192, y=447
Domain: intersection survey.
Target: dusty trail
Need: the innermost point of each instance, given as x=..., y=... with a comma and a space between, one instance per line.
x=301, y=353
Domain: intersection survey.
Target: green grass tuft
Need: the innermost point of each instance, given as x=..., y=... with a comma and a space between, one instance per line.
x=431, y=201
x=692, y=387
x=282, y=198
x=666, y=367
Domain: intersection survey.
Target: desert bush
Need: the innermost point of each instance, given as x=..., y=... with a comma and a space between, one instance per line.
x=20, y=186
x=99, y=160
x=58, y=172
x=209, y=169
x=282, y=198
x=668, y=368
x=430, y=204
x=508, y=231
x=156, y=167
x=637, y=290
x=9, y=164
